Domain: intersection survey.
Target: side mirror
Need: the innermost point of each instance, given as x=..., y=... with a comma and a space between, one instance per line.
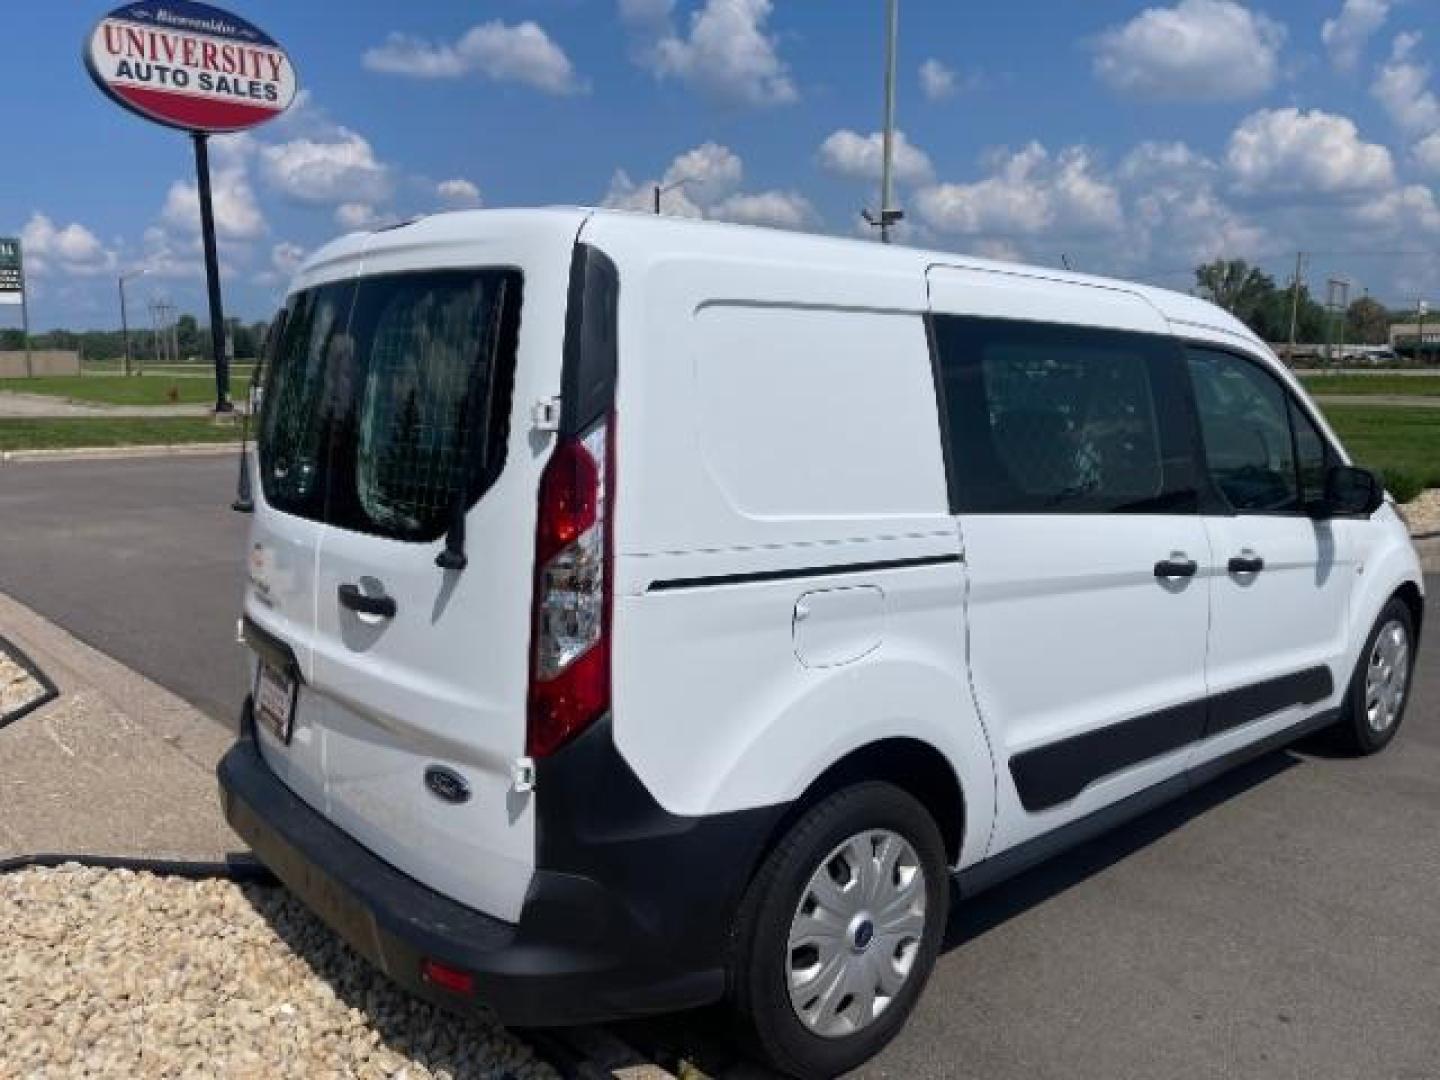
x=1351, y=491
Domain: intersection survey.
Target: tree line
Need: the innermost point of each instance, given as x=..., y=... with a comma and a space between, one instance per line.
x=1254, y=297
x=191, y=337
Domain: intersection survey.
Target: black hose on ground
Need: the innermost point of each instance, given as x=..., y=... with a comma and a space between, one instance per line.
x=241, y=869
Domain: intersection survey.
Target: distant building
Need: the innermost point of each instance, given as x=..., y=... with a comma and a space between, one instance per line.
x=1404, y=335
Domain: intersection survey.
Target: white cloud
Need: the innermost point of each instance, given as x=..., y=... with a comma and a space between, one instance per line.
x=1402, y=87
x=286, y=257
x=237, y=213
x=356, y=216
x=625, y=193
x=1347, y=34
x=1177, y=213
x=522, y=53
x=334, y=168
x=859, y=157
x=1427, y=153
x=458, y=193
x=726, y=54
x=704, y=183
x=67, y=249
x=936, y=80
x=1198, y=50
x=1286, y=151
x=1401, y=212
x=778, y=209
x=706, y=173
x=1027, y=192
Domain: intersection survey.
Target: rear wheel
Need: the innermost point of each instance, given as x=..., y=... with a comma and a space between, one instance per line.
x=839, y=930
x=1380, y=687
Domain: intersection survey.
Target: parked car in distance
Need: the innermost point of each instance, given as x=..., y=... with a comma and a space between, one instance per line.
x=647, y=613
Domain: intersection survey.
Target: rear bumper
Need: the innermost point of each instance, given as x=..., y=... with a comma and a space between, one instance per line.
x=577, y=955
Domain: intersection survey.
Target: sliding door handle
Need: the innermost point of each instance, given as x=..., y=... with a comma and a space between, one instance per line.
x=1177, y=566
x=352, y=598
x=1246, y=564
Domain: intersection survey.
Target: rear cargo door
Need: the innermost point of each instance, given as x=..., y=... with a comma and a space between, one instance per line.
x=419, y=671
x=292, y=451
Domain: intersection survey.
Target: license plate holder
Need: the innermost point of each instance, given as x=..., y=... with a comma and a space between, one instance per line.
x=275, y=702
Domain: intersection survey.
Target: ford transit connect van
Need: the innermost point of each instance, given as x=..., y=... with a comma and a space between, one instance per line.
x=646, y=613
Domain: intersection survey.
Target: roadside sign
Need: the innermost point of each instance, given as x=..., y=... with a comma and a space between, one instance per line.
x=194, y=67
x=12, y=272
x=190, y=66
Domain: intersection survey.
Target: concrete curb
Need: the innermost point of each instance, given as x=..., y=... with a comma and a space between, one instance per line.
x=70, y=662
x=115, y=453
x=115, y=766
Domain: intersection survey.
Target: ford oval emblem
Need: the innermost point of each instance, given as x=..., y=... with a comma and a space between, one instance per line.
x=447, y=784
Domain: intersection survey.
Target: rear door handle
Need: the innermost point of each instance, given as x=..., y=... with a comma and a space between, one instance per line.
x=352, y=598
x=1246, y=564
x=1176, y=567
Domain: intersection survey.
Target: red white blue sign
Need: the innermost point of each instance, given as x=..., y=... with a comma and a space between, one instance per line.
x=191, y=66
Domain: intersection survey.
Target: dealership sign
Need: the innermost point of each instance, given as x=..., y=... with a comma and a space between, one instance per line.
x=12, y=271
x=190, y=66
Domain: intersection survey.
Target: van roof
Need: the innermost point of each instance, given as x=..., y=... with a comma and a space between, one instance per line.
x=701, y=235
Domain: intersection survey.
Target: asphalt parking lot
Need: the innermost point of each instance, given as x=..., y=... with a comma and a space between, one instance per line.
x=1281, y=922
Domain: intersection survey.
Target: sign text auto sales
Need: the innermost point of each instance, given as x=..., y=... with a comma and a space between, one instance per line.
x=166, y=60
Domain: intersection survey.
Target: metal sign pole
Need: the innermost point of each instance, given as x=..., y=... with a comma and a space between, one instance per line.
x=212, y=275
x=24, y=311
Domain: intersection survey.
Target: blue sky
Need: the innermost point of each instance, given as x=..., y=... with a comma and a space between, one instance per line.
x=1134, y=139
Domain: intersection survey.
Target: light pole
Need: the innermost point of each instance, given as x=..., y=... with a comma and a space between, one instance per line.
x=124, y=319
x=889, y=215
x=1422, y=308
x=661, y=189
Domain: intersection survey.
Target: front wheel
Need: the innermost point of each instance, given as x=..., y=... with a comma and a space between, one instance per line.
x=839, y=930
x=1380, y=687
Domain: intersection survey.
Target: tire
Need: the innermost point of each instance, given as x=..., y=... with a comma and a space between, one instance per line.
x=828, y=839
x=1369, y=720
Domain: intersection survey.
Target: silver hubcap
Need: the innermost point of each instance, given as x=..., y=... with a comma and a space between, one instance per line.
x=856, y=933
x=1387, y=677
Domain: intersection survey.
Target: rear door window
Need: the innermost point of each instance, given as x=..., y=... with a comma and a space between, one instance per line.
x=374, y=420
x=299, y=401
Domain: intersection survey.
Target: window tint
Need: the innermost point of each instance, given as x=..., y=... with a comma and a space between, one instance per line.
x=386, y=396
x=1245, y=422
x=1058, y=419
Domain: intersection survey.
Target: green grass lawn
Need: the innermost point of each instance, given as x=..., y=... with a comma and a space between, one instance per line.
x=28, y=434
x=1402, y=444
x=138, y=390
x=1412, y=385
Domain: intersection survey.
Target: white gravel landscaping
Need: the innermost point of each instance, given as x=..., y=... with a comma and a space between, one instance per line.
x=110, y=973
x=1422, y=513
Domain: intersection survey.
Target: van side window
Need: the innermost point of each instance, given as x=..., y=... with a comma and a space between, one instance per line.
x=1064, y=420
x=1245, y=418
x=1312, y=449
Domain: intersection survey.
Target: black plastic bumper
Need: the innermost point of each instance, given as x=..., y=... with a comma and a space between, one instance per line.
x=581, y=952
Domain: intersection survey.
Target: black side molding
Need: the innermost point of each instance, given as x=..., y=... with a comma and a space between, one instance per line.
x=671, y=584
x=1002, y=867
x=1057, y=772
x=1053, y=774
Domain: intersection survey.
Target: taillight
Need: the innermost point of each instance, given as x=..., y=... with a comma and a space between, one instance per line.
x=570, y=661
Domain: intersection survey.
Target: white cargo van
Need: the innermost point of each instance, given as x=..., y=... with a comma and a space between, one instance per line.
x=649, y=612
